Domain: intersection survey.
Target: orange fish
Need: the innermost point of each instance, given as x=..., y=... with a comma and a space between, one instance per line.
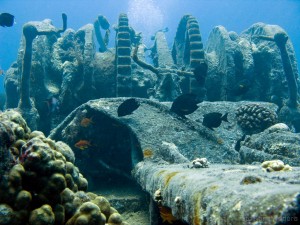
x=86, y=122
x=83, y=144
x=166, y=214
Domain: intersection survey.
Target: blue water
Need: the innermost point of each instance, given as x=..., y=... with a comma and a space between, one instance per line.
x=148, y=16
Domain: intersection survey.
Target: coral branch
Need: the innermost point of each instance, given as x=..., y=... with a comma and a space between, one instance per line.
x=141, y=63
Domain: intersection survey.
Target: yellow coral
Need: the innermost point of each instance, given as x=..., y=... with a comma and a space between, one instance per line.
x=275, y=165
x=169, y=176
x=147, y=153
x=220, y=141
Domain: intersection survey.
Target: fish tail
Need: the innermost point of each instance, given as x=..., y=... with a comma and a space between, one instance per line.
x=224, y=117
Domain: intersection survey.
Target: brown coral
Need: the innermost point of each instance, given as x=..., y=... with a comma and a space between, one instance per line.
x=255, y=118
x=44, y=186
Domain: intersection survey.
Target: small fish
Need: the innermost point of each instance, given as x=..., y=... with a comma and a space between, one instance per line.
x=200, y=73
x=127, y=107
x=214, y=120
x=166, y=214
x=6, y=20
x=240, y=88
x=185, y=104
x=2, y=72
x=86, y=122
x=106, y=37
x=52, y=104
x=83, y=144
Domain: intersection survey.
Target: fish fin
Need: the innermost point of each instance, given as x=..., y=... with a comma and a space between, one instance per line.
x=208, y=127
x=224, y=117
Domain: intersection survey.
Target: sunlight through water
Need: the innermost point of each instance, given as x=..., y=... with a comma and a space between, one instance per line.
x=146, y=17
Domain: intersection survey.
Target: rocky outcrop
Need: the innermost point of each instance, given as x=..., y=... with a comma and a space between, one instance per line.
x=148, y=125
x=276, y=142
x=151, y=130
x=268, y=60
x=229, y=62
x=86, y=90
x=145, y=134
x=247, y=67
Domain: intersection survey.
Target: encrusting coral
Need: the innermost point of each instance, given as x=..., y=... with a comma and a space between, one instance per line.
x=43, y=186
x=275, y=165
x=200, y=163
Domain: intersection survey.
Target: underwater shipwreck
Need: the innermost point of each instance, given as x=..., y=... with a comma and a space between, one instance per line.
x=61, y=136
